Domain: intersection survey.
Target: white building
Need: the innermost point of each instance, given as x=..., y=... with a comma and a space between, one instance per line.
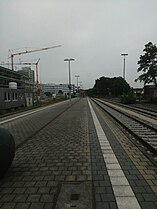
x=55, y=88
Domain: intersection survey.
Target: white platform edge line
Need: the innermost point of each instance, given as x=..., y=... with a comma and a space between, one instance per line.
x=125, y=203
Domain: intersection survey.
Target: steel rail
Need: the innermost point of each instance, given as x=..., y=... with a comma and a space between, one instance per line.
x=146, y=124
x=139, y=138
x=145, y=111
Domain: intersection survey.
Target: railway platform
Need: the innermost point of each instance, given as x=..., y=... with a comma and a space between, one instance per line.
x=81, y=159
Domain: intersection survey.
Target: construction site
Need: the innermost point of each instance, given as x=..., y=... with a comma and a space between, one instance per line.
x=20, y=87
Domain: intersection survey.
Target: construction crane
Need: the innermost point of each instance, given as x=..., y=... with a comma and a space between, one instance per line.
x=27, y=51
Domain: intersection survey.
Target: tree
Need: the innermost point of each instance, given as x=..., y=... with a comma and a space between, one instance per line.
x=48, y=94
x=105, y=86
x=91, y=92
x=148, y=64
x=60, y=92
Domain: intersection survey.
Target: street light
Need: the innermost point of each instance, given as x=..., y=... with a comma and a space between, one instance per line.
x=77, y=76
x=124, y=71
x=124, y=65
x=69, y=60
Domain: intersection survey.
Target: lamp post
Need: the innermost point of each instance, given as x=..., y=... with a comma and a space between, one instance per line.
x=124, y=54
x=124, y=65
x=69, y=60
x=77, y=77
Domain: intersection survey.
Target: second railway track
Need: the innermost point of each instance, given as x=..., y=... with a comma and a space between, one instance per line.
x=143, y=131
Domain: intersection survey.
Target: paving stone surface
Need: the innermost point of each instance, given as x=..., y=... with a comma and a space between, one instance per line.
x=68, y=151
x=58, y=153
x=25, y=127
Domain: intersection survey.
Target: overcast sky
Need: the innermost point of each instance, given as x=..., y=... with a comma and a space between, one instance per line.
x=93, y=32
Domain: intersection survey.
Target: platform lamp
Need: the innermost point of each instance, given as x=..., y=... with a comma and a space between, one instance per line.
x=124, y=54
x=69, y=60
x=77, y=77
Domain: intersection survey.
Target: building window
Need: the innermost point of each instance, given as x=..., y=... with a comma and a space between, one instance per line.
x=7, y=96
x=14, y=96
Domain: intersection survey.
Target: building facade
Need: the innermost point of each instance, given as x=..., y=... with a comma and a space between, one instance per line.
x=15, y=89
x=26, y=71
x=150, y=91
x=55, y=88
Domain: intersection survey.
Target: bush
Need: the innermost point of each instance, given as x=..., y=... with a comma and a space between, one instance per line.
x=154, y=100
x=128, y=98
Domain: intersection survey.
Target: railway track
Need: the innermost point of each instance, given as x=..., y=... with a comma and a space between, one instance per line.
x=145, y=111
x=145, y=131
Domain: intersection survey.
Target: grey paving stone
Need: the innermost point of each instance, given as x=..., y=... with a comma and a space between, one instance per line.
x=34, y=198
x=31, y=190
x=8, y=206
x=146, y=205
x=47, y=198
x=139, y=189
x=18, y=184
x=48, y=205
x=7, y=198
x=41, y=183
x=100, y=190
x=139, y=197
x=29, y=184
x=22, y=206
x=49, y=178
x=97, y=198
x=141, y=183
x=20, y=198
x=6, y=184
x=44, y=190
x=19, y=190
x=37, y=206
x=150, y=197
x=98, y=177
x=38, y=177
x=107, y=197
x=148, y=189
x=27, y=178
x=6, y=190
x=102, y=205
x=70, y=178
x=113, y=205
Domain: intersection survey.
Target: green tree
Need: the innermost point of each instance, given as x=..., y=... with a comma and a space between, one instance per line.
x=148, y=64
x=91, y=92
x=60, y=92
x=48, y=94
x=111, y=86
